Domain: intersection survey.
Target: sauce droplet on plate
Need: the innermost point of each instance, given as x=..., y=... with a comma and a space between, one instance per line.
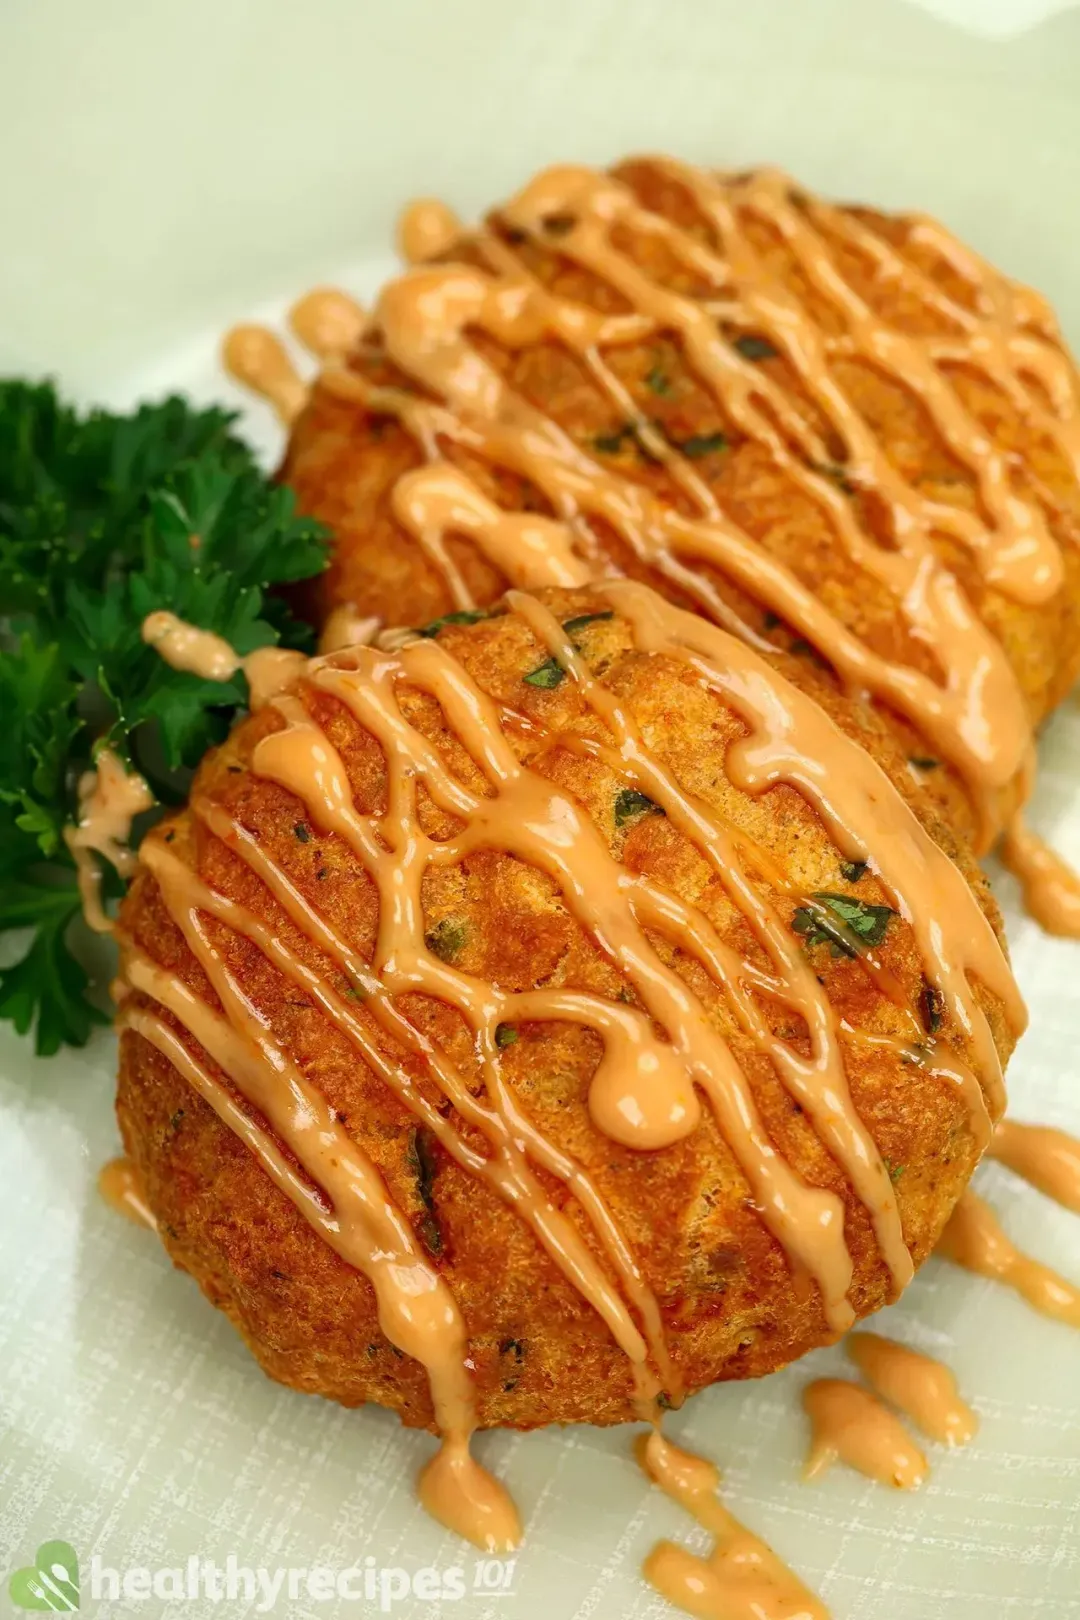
x=742, y=1578
x=852, y=1426
x=1051, y=889
x=427, y=229
x=975, y=1240
x=923, y=1389
x=253, y=356
x=1049, y=1159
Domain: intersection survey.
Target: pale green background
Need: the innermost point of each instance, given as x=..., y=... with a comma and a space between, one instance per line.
x=166, y=167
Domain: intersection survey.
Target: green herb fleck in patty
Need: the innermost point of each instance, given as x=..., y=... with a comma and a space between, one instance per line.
x=755, y=348
x=701, y=444
x=573, y=625
x=630, y=804
x=866, y=923
x=546, y=675
x=446, y=939
x=609, y=444
x=470, y=617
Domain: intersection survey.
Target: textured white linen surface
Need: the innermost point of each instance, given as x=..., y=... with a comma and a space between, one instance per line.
x=133, y=1422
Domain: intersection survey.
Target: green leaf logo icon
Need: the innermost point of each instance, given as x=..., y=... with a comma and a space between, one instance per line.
x=51, y=1582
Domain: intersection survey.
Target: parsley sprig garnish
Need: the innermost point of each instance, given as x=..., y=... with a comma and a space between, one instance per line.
x=103, y=519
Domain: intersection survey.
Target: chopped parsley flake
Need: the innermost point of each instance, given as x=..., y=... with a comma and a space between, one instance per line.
x=573, y=625
x=838, y=476
x=546, y=675
x=446, y=939
x=755, y=348
x=701, y=444
x=470, y=617
x=609, y=444
x=868, y=924
x=424, y=1165
x=629, y=804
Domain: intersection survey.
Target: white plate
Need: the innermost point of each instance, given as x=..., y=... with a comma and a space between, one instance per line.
x=142, y=206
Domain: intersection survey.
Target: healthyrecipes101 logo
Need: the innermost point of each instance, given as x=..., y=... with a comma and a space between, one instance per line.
x=51, y=1582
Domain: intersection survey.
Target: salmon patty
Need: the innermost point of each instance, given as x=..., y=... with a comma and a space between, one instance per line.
x=616, y=981
x=840, y=432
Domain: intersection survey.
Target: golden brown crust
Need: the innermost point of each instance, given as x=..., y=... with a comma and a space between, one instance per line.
x=343, y=464
x=541, y=1354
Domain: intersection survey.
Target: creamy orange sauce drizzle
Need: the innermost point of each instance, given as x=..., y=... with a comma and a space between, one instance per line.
x=345, y=627
x=200, y=652
x=852, y=1426
x=1050, y=887
x=854, y=798
x=976, y=717
x=974, y=1239
x=437, y=500
x=269, y=670
x=654, y=1061
x=1048, y=1158
x=110, y=797
x=340, y=1193
x=645, y=1092
x=119, y=1185
x=184, y=646
x=923, y=1389
x=742, y=1578
x=257, y=359
x=507, y=1169
x=427, y=229
x=328, y=322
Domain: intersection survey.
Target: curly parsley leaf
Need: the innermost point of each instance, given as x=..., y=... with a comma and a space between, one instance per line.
x=47, y=989
x=40, y=731
x=105, y=518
